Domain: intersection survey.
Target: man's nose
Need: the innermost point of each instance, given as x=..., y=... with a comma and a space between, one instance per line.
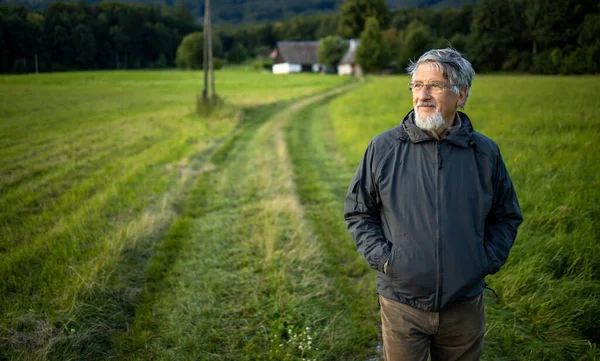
x=424, y=93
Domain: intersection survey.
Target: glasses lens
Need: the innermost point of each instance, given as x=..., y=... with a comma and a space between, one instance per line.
x=415, y=87
x=435, y=87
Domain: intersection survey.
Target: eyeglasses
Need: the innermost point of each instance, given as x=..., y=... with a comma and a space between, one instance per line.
x=432, y=87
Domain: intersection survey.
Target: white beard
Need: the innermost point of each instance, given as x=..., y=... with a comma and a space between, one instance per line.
x=431, y=122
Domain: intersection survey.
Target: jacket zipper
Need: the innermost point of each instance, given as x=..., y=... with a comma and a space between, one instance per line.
x=438, y=242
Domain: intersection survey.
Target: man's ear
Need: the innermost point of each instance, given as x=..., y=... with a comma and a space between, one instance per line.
x=462, y=97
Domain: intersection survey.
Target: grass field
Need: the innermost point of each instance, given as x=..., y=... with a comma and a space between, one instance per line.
x=131, y=228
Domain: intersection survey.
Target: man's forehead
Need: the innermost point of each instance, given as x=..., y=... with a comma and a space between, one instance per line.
x=430, y=71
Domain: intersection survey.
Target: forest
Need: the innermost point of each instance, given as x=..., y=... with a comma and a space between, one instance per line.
x=248, y=11
x=539, y=36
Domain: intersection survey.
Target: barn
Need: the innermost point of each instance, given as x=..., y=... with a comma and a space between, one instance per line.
x=296, y=56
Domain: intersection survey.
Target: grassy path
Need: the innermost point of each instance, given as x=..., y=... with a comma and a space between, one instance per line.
x=251, y=273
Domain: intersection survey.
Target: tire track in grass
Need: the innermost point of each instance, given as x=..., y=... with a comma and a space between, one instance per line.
x=253, y=282
x=205, y=203
x=322, y=179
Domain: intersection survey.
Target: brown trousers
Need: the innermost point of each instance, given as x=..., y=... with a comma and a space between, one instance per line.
x=453, y=334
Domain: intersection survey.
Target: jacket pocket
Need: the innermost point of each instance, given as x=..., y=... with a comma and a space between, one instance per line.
x=390, y=261
x=411, y=269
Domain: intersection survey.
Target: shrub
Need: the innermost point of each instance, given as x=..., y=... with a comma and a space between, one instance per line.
x=237, y=54
x=190, y=53
x=258, y=65
x=217, y=63
x=161, y=62
x=332, y=50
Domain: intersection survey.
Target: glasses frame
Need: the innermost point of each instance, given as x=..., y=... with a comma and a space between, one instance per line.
x=411, y=86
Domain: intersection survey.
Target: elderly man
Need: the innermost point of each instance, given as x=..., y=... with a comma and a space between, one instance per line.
x=433, y=209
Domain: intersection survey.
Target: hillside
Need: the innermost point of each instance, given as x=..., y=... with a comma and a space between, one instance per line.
x=249, y=11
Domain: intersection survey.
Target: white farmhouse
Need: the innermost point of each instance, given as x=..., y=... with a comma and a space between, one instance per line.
x=296, y=56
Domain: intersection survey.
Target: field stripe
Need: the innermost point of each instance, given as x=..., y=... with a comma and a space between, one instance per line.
x=322, y=177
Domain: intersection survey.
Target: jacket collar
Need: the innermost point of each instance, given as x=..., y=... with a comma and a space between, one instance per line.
x=461, y=137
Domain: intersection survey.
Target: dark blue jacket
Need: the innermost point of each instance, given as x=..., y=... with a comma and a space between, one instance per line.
x=444, y=214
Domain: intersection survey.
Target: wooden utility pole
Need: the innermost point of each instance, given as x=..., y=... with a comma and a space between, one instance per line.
x=206, y=47
x=210, y=55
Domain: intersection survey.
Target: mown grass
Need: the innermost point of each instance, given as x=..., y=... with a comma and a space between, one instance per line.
x=320, y=174
x=255, y=281
x=549, y=306
x=94, y=168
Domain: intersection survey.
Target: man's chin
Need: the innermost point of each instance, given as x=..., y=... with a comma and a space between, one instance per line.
x=429, y=122
x=426, y=114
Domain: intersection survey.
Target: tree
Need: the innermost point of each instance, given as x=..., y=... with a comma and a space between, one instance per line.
x=161, y=62
x=38, y=39
x=121, y=40
x=84, y=44
x=354, y=13
x=542, y=18
x=4, y=53
x=62, y=48
x=328, y=25
x=393, y=42
x=497, y=29
x=237, y=54
x=191, y=51
x=158, y=40
x=590, y=41
x=332, y=50
x=417, y=39
x=372, y=54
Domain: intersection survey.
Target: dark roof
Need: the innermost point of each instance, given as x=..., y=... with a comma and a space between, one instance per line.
x=298, y=52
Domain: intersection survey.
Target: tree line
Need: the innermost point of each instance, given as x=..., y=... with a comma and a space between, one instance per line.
x=77, y=36
x=536, y=36
x=255, y=11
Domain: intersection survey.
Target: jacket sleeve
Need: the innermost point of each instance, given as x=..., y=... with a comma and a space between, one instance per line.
x=503, y=219
x=361, y=212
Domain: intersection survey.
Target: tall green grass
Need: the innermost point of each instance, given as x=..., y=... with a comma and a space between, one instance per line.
x=547, y=129
x=94, y=168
